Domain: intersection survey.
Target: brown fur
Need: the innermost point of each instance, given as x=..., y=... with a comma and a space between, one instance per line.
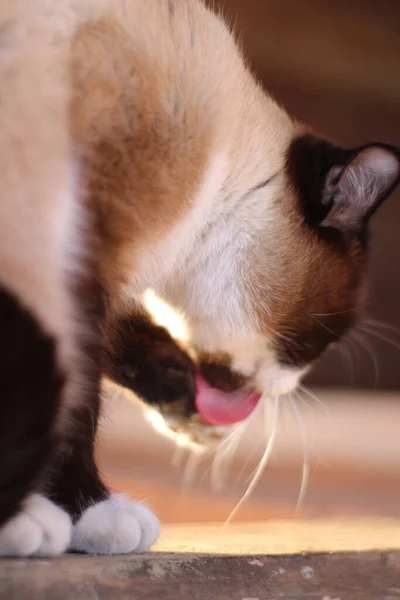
x=145, y=128
x=193, y=180
x=137, y=150
x=147, y=122
x=126, y=141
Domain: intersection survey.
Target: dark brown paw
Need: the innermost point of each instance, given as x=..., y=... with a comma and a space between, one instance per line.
x=148, y=361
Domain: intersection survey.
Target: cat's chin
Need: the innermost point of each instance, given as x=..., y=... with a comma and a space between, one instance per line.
x=190, y=432
x=217, y=412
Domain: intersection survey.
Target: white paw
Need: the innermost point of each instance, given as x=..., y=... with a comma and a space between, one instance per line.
x=115, y=526
x=40, y=529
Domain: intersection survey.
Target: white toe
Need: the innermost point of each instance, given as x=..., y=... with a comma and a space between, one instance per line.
x=40, y=529
x=115, y=526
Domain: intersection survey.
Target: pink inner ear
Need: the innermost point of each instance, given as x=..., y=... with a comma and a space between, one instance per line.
x=379, y=160
x=222, y=408
x=333, y=177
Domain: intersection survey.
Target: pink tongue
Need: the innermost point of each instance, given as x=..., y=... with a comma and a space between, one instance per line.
x=222, y=408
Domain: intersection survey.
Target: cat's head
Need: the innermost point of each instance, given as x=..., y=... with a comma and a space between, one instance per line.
x=303, y=279
x=261, y=234
x=296, y=283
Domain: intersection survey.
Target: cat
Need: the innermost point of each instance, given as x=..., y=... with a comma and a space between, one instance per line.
x=138, y=151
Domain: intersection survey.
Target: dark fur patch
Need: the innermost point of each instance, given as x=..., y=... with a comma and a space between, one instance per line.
x=74, y=481
x=308, y=162
x=31, y=386
x=325, y=305
x=144, y=358
x=311, y=335
x=217, y=371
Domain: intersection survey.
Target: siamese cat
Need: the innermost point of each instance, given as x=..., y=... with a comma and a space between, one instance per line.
x=138, y=151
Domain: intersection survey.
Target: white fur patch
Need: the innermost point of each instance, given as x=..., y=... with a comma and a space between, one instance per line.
x=214, y=287
x=115, y=526
x=276, y=380
x=40, y=529
x=164, y=259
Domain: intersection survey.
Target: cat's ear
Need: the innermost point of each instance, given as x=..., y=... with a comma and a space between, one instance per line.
x=354, y=191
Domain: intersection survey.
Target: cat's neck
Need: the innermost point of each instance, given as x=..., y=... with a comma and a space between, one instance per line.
x=201, y=260
x=173, y=255
x=221, y=217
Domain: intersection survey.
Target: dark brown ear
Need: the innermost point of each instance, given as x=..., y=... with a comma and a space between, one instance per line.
x=354, y=191
x=341, y=188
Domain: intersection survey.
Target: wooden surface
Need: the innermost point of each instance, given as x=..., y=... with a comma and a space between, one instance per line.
x=249, y=562
x=282, y=537
x=371, y=576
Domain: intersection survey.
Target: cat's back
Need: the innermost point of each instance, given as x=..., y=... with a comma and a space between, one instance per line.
x=163, y=108
x=148, y=112
x=174, y=53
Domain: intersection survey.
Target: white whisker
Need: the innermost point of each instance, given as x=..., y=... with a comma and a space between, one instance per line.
x=305, y=480
x=246, y=462
x=374, y=323
x=351, y=344
x=267, y=409
x=323, y=325
x=226, y=450
x=262, y=465
x=316, y=399
x=224, y=455
x=265, y=406
x=194, y=459
x=178, y=455
x=339, y=312
x=305, y=470
x=379, y=336
x=311, y=412
x=345, y=353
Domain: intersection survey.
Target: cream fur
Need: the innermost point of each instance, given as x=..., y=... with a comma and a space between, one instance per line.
x=36, y=170
x=225, y=135
x=141, y=120
x=217, y=136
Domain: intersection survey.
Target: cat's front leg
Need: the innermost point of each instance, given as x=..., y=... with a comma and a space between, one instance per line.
x=32, y=384
x=103, y=522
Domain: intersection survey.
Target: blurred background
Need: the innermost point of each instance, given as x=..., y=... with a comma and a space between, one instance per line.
x=336, y=65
